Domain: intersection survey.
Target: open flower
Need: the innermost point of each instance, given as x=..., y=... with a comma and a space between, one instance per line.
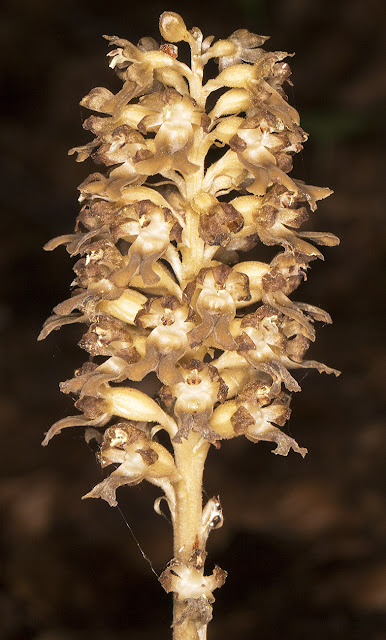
x=167, y=342
x=264, y=344
x=136, y=66
x=219, y=289
x=255, y=415
x=109, y=336
x=148, y=227
x=280, y=209
x=173, y=118
x=193, y=399
x=264, y=152
x=247, y=48
x=287, y=270
x=138, y=458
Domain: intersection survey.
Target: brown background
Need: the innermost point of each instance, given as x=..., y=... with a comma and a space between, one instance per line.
x=303, y=539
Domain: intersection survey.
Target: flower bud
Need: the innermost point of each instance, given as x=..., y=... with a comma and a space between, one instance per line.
x=220, y=48
x=172, y=27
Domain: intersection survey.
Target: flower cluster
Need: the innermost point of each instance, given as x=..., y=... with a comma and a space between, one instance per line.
x=160, y=283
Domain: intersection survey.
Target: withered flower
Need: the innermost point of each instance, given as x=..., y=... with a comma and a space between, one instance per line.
x=219, y=221
x=163, y=290
x=191, y=588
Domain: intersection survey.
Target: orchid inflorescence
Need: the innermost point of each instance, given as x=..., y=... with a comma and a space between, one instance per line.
x=160, y=286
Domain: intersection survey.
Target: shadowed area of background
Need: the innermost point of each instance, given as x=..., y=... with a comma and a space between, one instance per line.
x=303, y=539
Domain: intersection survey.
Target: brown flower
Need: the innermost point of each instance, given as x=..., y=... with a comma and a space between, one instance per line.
x=219, y=289
x=194, y=398
x=138, y=458
x=167, y=341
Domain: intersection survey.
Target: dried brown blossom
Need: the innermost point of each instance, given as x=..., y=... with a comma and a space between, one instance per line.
x=162, y=288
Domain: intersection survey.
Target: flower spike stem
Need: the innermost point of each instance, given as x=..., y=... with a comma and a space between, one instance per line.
x=190, y=456
x=161, y=287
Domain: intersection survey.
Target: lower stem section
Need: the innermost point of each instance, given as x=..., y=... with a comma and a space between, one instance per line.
x=190, y=456
x=185, y=630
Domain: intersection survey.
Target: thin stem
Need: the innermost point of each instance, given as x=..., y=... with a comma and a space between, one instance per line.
x=190, y=456
x=187, y=629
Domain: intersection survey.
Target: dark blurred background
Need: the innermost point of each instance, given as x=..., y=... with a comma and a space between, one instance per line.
x=303, y=540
